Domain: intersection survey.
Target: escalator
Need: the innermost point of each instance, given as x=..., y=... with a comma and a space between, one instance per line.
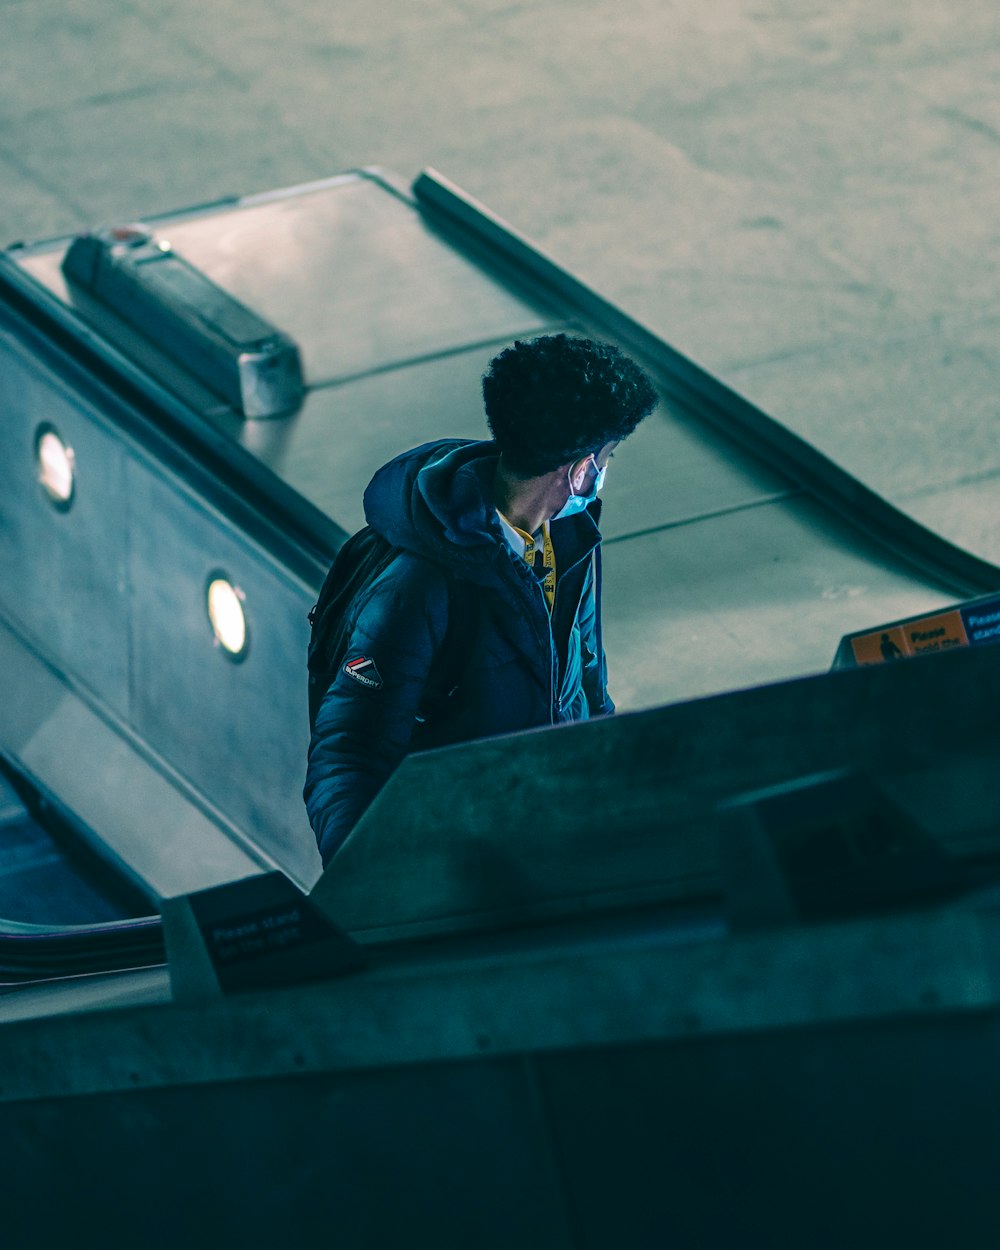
x=735, y=554
x=558, y=993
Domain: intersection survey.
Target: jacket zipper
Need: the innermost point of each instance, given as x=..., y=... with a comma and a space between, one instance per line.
x=556, y=702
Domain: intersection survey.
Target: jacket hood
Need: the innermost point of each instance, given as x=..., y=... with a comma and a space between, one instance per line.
x=437, y=501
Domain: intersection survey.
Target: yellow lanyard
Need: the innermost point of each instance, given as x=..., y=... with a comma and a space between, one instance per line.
x=549, y=556
x=543, y=544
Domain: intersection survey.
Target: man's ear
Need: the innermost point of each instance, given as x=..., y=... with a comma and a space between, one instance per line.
x=578, y=474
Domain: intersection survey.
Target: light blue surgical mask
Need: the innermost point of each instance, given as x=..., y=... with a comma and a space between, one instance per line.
x=577, y=503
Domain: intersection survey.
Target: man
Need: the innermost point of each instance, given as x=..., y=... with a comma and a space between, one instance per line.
x=503, y=536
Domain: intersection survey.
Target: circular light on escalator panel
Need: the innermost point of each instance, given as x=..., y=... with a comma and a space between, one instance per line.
x=56, y=467
x=229, y=622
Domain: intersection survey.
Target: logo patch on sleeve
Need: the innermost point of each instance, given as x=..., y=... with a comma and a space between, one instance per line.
x=363, y=670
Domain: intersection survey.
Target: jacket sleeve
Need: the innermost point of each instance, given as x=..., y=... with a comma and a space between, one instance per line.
x=595, y=664
x=365, y=722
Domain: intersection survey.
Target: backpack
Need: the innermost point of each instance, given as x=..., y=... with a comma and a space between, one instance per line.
x=359, y=563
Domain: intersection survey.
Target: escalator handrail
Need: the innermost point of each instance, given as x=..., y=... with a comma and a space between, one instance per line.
x=19, y=929
x=42, y=952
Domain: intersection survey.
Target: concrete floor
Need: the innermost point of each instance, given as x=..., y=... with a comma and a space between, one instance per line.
x=800, y=194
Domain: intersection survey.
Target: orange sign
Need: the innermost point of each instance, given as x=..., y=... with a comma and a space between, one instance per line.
x=936, y=633
x=917, y=637
x=877, y=648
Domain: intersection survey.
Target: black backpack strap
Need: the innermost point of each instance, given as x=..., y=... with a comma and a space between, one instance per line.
x=359, y=562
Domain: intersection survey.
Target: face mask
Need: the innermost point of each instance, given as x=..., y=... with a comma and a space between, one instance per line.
x=576, y=503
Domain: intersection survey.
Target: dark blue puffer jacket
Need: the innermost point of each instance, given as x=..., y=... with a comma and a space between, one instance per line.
x=524, y=668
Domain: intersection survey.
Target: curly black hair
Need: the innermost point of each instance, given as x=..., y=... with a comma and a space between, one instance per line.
x=551, y=400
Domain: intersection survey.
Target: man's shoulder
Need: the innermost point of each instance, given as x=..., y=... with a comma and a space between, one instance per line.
x=410, y=603
x=412, y=580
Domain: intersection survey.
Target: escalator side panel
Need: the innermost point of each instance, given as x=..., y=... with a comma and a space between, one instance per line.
x=63, y=572
x=237, y=730
x=113, y=590
x=144, y=823
x=470, y=838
